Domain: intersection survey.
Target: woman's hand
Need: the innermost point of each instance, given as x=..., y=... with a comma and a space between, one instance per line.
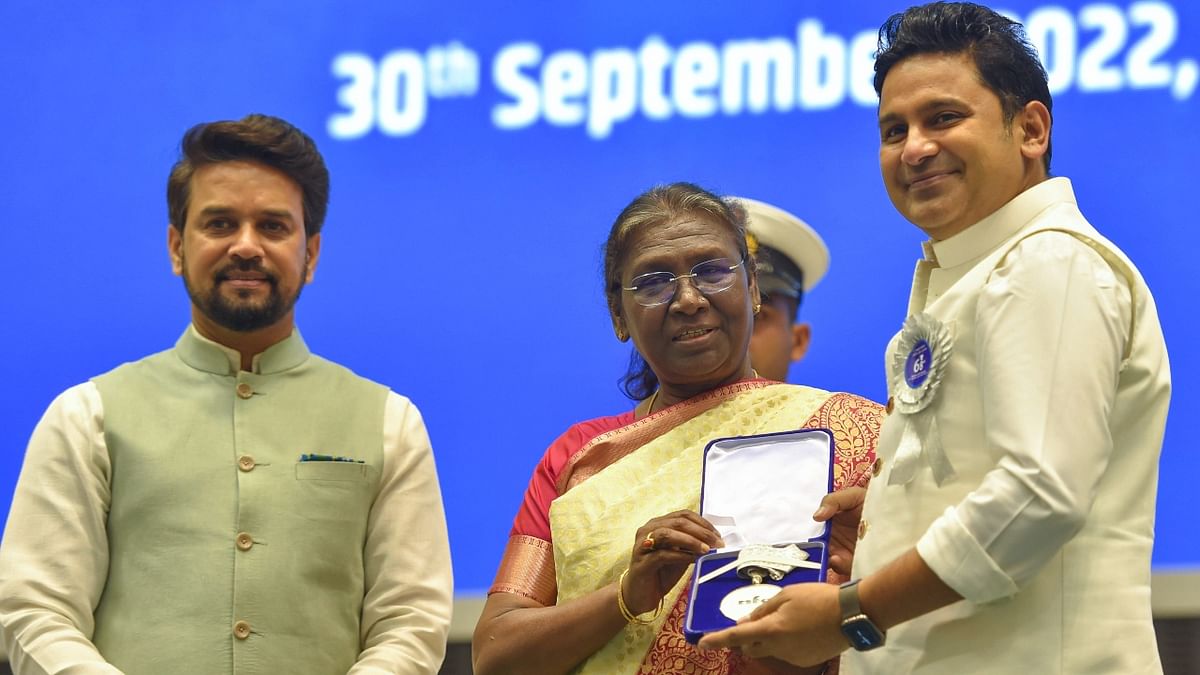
x=662, y=550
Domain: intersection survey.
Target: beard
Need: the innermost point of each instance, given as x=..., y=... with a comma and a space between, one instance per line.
x=242, y=315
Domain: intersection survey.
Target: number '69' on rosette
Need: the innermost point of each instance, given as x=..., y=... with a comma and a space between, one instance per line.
x=918, y=366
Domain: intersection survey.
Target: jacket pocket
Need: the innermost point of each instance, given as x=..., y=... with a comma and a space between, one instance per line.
x=335, y=471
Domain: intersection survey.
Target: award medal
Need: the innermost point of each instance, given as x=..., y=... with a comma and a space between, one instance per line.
x=918, y=366
x=756, y=563
x=741, y=601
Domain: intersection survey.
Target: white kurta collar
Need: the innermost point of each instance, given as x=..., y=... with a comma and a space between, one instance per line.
x=984, y=236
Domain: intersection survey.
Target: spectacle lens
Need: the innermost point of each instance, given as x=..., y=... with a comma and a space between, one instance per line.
x=658, y=288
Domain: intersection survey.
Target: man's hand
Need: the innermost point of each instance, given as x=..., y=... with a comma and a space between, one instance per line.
x=845, y=508
x=800, y=625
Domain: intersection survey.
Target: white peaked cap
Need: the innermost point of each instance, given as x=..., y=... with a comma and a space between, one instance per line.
x=784, y=232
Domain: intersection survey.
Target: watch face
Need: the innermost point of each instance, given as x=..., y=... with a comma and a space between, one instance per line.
x=862, y=634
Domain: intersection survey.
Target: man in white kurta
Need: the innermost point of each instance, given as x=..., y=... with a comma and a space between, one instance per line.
x=235, y=504
x=1050, y=412
x=1009, y=525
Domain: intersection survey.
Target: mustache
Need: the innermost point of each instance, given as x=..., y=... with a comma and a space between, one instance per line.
x=246, y=266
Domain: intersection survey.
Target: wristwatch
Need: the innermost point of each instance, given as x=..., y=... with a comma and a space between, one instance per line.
x=858, y=628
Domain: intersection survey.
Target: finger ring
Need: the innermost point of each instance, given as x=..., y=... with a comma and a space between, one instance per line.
x=648, y=543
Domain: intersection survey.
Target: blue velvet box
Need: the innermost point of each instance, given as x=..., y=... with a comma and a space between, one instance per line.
x=759, y=490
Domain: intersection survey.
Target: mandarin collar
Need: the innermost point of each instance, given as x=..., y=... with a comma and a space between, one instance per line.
x=203, y=354
x=989, y=233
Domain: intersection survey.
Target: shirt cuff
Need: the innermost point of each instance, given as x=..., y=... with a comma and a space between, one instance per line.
x=961, y=563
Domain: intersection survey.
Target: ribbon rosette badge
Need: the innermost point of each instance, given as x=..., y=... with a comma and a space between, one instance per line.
x=918, y=366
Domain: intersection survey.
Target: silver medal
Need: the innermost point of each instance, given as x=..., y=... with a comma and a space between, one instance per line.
x=741, y=601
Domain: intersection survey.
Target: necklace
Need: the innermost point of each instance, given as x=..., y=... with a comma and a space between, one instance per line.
x=653, y=398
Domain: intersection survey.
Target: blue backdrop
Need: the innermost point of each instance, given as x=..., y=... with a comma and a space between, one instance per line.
x=479, y=152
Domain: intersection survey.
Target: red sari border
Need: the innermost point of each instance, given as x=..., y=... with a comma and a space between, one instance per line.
x=610, y=446
x=527, y=568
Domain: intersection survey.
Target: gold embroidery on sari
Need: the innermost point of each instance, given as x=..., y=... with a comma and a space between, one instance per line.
x=855, y=423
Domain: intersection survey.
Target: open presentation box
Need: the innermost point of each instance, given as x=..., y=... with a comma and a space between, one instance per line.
x=759, y=490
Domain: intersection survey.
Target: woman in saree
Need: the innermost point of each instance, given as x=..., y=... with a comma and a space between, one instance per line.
x=593, y=579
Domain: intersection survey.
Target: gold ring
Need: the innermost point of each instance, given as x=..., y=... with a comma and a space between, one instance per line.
x=648, y=543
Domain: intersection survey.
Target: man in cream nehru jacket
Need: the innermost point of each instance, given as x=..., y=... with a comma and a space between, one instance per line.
x=1009, y=525
x=791, y=259
x=235, y=504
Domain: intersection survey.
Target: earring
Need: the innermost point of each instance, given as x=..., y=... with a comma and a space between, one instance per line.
x=757, y=308
x=622, y=336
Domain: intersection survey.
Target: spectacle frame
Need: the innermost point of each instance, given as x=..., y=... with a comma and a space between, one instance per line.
x=658, y=288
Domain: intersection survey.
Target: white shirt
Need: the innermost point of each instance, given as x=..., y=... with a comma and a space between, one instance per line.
x=1051, y=412
x=1051, y=326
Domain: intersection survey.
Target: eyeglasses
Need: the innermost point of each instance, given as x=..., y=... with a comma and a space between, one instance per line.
x=658, y=288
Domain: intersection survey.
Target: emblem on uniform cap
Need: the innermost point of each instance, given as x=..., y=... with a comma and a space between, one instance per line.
x=918, y=366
